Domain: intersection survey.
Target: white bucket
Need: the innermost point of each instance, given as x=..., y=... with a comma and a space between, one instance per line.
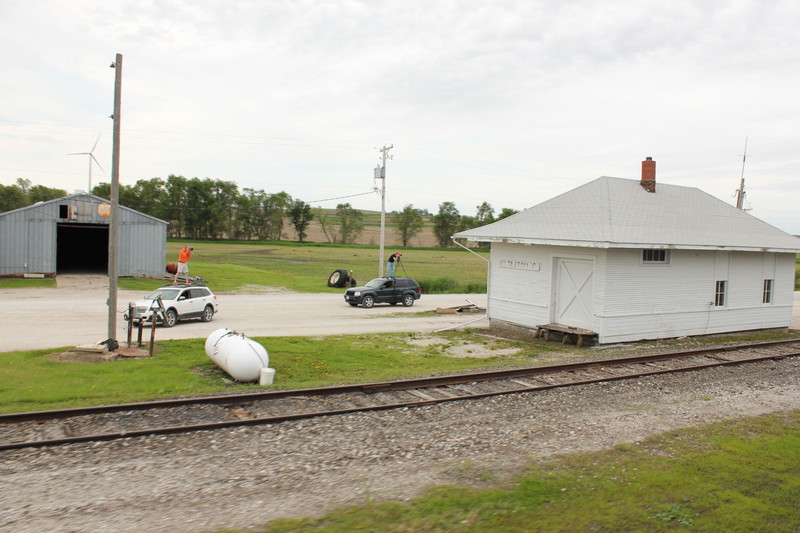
x=267, y=376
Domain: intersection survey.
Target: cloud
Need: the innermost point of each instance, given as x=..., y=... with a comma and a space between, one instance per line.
x=509, y=101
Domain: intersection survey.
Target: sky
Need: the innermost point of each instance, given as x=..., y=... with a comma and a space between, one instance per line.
x=505, y=102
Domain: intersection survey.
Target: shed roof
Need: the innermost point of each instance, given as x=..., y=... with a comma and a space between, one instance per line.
x=78, y=196
x=619, y=213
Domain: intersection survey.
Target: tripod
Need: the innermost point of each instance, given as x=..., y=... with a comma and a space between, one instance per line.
x=404, y=268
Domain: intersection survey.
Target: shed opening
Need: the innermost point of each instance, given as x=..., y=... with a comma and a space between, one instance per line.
x=82, y=248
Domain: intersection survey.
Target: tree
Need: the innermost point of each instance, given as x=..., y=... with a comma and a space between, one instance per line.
x=300, y=215
x=445, y=223
x=40, y=193
x=248, y=213
x=275, y=207
x=409, y=223
x=177, y=205
x=468, y=223
x=148, y=196
x=506, y=212
x=484, y=214
x=326, y=223
x=351, y=222
x=24, y=184
x=12, y=197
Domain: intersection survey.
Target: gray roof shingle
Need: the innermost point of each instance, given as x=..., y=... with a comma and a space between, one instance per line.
x=619, y=213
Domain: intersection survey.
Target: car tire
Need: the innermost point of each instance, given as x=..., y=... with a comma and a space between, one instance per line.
x=170, y=318
x=368, y=301
x=338, y=278
x=208, y=314
x=408, y=300
x=392, y=303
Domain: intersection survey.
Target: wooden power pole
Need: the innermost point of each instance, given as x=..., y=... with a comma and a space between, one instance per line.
x=113, y=231
x=380, y=173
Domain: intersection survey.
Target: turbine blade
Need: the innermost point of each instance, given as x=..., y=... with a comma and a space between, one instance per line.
x=96, y=161
x=95, y=143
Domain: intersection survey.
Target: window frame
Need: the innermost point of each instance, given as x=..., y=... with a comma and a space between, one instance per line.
x=721, y=293
x=768, y=291
x=651, y=260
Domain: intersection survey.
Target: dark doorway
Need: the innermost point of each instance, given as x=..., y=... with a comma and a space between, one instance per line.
x=82, y=248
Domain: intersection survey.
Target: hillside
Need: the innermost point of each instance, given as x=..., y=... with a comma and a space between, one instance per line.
x=371, y=233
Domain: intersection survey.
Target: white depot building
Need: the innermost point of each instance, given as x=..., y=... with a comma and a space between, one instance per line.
x=624, y=260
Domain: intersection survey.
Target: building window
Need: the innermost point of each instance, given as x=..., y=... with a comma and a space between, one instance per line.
x=655, y=256
x=720, y=293
x=767, y=294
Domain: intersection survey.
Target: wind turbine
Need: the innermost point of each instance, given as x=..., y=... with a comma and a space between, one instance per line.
x=91, y=157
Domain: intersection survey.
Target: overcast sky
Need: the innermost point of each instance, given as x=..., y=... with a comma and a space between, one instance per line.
x=510, y=102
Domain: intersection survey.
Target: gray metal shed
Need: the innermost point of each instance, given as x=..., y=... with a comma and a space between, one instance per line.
x=70, y=235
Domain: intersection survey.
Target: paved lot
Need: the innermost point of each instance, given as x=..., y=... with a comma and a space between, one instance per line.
x=50, y=318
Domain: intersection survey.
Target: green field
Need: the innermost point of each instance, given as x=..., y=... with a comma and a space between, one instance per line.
x=229, y=266
x=38, y=380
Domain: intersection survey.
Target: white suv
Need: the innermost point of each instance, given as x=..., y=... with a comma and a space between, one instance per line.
x=180, y=302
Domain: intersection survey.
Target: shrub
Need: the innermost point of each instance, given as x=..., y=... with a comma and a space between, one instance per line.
x=450, y=286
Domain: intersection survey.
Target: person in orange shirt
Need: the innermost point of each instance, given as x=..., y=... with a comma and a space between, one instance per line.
x=183, y=264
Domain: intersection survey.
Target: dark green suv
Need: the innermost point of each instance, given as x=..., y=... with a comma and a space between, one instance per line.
x=384, y=291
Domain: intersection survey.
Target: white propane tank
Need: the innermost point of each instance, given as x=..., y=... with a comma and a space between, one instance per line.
x=240, y=357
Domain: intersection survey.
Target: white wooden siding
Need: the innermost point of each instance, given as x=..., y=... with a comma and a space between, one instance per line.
x=635, y=300
x=675, y=300
x=519, y=295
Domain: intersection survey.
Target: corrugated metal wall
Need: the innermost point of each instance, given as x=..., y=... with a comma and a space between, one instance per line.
x=28, y=236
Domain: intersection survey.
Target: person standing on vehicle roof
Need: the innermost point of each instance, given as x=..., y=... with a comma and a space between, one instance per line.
x=183, y=264
x=393, y=260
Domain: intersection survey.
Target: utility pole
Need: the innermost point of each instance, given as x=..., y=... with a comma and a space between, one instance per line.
x=113, y=230
x=740, y=192
x=380, y=173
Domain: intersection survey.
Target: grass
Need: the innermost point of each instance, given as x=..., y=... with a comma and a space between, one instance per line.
x=306, y=268
x=37, y=380
x=735, y=476
x=19, y=283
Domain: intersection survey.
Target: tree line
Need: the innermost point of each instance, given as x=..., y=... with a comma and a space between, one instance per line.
x=216, y=209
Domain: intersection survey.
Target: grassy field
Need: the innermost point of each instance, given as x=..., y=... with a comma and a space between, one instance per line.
x=37, y=380
x=232, y=266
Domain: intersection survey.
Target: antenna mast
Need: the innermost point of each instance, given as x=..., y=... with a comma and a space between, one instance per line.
x=740, y=191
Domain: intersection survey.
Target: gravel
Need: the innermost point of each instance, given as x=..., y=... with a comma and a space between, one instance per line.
x=245, y=477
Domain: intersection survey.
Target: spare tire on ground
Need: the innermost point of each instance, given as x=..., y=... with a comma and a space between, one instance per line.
x=338, y=278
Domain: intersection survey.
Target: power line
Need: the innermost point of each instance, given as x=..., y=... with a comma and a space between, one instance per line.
x=340, y=197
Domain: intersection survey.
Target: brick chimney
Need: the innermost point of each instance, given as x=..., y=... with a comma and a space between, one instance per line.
x=649, y=175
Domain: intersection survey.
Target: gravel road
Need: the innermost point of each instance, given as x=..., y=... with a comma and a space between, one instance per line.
x=245, y=477
x=77, y=313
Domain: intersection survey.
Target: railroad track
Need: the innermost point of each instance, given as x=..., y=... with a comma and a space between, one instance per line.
x=92, y=424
